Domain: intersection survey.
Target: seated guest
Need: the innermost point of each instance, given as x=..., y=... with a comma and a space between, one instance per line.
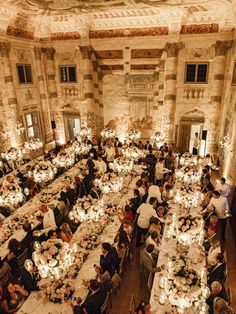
x=96, y=297
x=71, y=194
x=65, y=232
x=126, y=213
x=217, y=291
x=29, y=278
x=80, y=188
x=222, y=307
x=211, y=239
x=140, y=188
x=205, y=175
x=127, y=227
x=109, y=260
x=49, y=222
x=53, y=234
x=29, y=237
x=143, y=308
x=148, y=263
x=94, y=192
x=206, y=186
x=102, y=276
x=206, y=199
x=166, y=193
x=155, y=226
x=15, y=294
x=123, y=244
x=15, y=248
x=135, y=201
x=217, y=272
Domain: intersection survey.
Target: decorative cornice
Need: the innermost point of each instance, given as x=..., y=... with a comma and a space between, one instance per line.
x=18, y=32
x=221, y=47
x=129, y=32
x=65, y=35
x=173, y=49
x=199, y=29
x=49, y=52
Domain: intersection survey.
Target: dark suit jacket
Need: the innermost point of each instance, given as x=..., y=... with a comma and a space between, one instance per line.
x=217, y=273
x=28, y=239
x=95, y=300
x=210, y=300
x=29, y=281
x=135, y=202
x=110, y=262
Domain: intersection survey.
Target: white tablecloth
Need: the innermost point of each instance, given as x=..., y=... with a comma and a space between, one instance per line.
x=34, y=304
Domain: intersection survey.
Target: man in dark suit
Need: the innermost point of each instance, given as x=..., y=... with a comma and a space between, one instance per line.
x=109, y=259
x=96, y=297
x=217, y=291
x=28, y=279
x=218, y=271
x=147, y=260
x=135, y=201
x=29, y=237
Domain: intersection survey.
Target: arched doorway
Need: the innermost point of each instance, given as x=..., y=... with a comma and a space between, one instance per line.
x=190, y=123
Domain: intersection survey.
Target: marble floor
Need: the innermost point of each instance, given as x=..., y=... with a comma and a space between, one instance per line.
x=131, y=285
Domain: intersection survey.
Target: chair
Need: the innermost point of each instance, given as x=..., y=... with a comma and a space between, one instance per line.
x=22, y=258
x=5, y=273
x=105, y=304
x=59, y=218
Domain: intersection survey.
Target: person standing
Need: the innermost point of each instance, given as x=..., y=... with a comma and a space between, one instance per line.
x=196, y=144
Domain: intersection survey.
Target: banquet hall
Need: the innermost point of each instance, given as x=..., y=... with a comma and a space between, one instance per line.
x=117, y=156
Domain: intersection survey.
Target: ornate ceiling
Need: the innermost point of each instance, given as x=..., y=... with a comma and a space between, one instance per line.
x=96, y=19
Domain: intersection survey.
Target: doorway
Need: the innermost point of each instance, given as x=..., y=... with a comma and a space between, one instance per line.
x=188, y=128
x=72, y=124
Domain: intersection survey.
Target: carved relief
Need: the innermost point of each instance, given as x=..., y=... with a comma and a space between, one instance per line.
x=37, y=52
x=129, y=32
x=199, y=29
x=65, y=35
x=17, y=32
x=199, y=53
x=86, y=51
x=49, y=52
x=23, y=55
x=173, y=49
x=28, y=95
x=221, y=47
x=5, y=49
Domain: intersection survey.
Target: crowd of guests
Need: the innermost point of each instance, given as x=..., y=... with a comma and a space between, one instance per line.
x=142, y=223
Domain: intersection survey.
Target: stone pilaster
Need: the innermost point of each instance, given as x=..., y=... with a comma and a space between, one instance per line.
x=48, y=133
x=49, y=54
x=216, y=90
x=88, y=87
x=171, y=70
x=10, y=106
x=100, y=98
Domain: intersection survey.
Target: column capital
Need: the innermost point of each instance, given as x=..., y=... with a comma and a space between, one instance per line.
x=173, y=49
x=86, y=51
x=5, y=48
x=221, y=47
x=49, y=52
x=37, y=52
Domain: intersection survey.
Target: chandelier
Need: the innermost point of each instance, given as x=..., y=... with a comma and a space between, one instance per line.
x=33, y=144
x=158, y=138
x=133, y=135
x=108, y=133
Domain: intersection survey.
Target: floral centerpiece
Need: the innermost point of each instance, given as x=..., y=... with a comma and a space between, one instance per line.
x=64, y=160
x=188, y=159
x=33, y=144
x=133, y=153
x=188, y=198
x=188, y=228
x=183, y=284
x=158, y=138
x=122, y=166
x=109, y=183
x=85, y=132
x=80, y=148
x=133, y=135
x=14, y=154
x=43, y=172
x=86, y=208
x=53, y=258
x=188, y=175
x=58, y=291
x=108, y=133
x=13, y=196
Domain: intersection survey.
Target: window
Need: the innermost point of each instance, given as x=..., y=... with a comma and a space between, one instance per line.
x=32, y=125
x=67, y=74
x=196, y=73
x=24, y=73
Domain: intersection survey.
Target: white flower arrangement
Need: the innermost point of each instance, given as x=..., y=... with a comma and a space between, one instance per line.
x=188, y=159
x=12, y=197
x=188, y=175
x=188, y=229
x=122, y=166
x=53, y=258
x=110, y=183
x=133, y=153
x=80, y=148
x=14, y=154
x=33, y=144
x=133, y=135
x=43, y=172
x=158, y=138
x=64, y=160
x=58, y=291
x=108, y=134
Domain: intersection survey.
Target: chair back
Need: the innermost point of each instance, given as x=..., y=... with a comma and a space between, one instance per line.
x=105, y=304
x=22, y=258
x=5, y=273
x=59, y=218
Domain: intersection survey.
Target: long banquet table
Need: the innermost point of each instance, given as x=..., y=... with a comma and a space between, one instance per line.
x=35, y=304
x=168, y=251
x=33, y=204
